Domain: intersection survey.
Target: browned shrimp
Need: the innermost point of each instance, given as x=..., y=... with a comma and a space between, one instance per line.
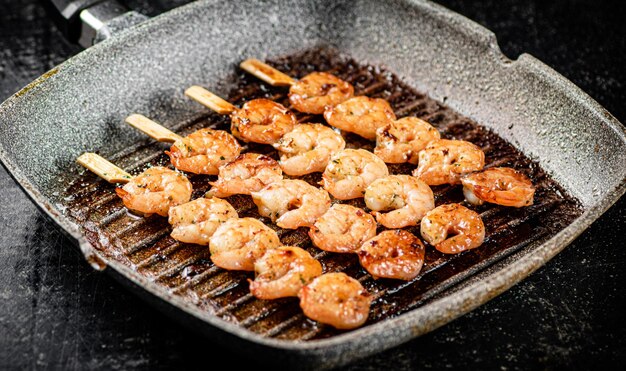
x=337, y=300
x=292, y=203
x=204, y=151
x=403, y=199
x=318, y=90
x=197, y=220
x=155, y=190
x=308, y=148
x=342, y=229
x=466, y=226
x=282, y=272
x=238, y=242
x=262, y=121
x=249, y=172
x=350, y=171
x=498, y=185
x=360, y=115
x=444, y=161
x=401, y=140
x=393, y=254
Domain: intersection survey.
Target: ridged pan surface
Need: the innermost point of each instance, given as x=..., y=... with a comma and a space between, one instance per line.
x=81, y=105
x=144, y=244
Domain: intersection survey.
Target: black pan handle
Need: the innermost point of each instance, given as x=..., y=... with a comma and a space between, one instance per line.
x=87, y=22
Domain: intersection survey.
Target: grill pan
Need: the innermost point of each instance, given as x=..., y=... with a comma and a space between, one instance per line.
x=81, y=104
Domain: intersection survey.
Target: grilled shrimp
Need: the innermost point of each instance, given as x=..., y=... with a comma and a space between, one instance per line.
x=401, y=140
x=282, y=272
x=261, y=121
x=155, y=190
x=465, y=224
x=197, y=220
x=407, y=198
x=238, y=243
x=318, y=90
x=291, y=203
x=342, y=229
x=337, y=300
x=350, y=171
x=249, y=172
x=498, y=185
x=308, y=148
x=393, y=254
x=360, y=115
x=204, y=151
x=445, y=161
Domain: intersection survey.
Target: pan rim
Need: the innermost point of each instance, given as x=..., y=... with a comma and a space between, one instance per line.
x=487, y=287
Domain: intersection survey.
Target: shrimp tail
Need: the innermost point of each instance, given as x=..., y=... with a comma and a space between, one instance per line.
x=121, y=192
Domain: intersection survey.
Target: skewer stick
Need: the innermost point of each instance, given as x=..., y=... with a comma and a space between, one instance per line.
x=210, y=100
x=152, y=129
x=103, y=168
x=266, y=73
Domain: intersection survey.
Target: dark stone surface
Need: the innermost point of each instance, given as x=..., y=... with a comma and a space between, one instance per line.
x=57, y=313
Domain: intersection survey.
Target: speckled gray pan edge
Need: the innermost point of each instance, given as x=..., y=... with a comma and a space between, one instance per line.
x=81, y=105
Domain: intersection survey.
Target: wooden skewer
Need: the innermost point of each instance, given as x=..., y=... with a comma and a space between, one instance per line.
x=266, y=73
x=151, y=128
x=210, y=100
x=103, y=168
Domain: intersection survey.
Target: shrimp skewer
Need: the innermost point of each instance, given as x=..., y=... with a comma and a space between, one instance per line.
x=313, y=93
x=259, y=120
x=249, y=172
x=282, y=272
x=336, y=299
x=154, y=191
x=498, y=185
x=466, y=226
x=308, y=148
x=201, y=152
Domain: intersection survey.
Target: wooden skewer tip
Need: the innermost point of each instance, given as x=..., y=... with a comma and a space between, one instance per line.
x=151, y=128
x=266, y=72
x=103, y=168
x=210, y=100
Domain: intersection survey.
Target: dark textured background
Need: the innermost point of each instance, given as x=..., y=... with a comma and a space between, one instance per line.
x=57, y=313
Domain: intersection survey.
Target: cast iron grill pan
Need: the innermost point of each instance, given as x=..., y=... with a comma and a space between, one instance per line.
x=144, y=244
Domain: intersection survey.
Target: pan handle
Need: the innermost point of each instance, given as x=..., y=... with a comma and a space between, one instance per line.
x=88, y=22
